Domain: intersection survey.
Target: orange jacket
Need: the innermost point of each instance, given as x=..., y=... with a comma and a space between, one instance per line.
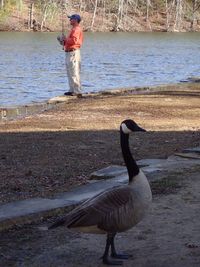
x=75, y=38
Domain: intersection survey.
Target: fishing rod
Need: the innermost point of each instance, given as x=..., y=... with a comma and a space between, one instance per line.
x=62, y=23
x=62, y=16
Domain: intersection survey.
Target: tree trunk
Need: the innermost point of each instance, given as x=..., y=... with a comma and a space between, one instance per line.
x=193, y=15
x=44, y=18
x=80, y=5
x=30, y=20
x=119, y=14
x=147, y=13
x=19, y=4
x=178, y=18
x=94, y=14
x=167, y=15
x=1, y=4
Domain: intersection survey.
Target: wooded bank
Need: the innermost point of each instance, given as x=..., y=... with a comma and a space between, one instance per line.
x=101, y=15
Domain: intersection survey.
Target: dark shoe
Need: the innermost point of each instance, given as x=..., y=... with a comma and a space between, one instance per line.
x=68, y=93
x=79, y=95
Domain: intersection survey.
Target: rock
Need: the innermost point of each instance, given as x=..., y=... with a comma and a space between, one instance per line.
x=108, y=172
x=192, y=150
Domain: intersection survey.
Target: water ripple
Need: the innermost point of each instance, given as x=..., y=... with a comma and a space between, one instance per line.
x=34, y=70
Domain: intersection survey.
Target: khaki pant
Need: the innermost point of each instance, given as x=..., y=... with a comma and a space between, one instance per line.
x=73, y=66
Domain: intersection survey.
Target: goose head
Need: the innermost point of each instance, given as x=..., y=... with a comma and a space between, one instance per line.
x=128, y=126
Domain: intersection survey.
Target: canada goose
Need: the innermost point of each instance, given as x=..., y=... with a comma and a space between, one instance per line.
x=117, y=209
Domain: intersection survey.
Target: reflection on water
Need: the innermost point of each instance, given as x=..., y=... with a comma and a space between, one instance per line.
x=32, y=64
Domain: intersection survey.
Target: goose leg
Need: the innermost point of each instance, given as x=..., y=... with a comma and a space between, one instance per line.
x=114, y=254
x=105, y=257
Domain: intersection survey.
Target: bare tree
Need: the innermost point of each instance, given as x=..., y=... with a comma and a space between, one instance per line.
x=167, y=15
x=1, y=4
x=94, y=13
x=178, y=18
x=148, y=5
x=19, y=4
x=30, y=18
x=195, y=7
x=81, y=6
x=48, y=9
x=104, y=12
x=170, y=7
x=119, y=16
x=116, y=11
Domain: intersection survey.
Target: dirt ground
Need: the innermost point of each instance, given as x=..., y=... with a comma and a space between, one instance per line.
x=168, y=236
x=51, y=152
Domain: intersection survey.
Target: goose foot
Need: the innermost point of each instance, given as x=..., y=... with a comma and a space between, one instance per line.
x=121, y=256
x=114, y=254
x=110, y=243
x=112, y=262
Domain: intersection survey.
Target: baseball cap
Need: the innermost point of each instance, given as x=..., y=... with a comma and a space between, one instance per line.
x=75, y=16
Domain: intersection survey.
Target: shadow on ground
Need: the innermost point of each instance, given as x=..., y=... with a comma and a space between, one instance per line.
x=40, y=164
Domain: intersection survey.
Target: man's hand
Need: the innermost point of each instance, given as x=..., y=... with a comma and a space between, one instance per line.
x=61, y=39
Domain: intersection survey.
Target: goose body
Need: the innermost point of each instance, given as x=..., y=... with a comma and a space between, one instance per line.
x=117, y=209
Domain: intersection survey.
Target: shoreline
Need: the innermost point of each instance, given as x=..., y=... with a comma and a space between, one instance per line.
x=20, y=111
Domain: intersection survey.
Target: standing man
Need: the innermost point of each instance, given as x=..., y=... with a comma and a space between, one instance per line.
x=71, y=45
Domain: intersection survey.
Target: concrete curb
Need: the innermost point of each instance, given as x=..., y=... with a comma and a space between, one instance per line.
x=23, y=111
x=27, y=110
x=32, y=210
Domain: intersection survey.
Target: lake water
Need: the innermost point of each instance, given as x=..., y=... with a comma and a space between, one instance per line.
x=32, y=65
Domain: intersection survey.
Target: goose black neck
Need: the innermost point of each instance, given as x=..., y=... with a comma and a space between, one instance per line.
x=131, y=164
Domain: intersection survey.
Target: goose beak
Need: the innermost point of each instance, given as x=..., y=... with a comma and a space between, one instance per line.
x=141, y=130
x=129, y=126
x=137, y=128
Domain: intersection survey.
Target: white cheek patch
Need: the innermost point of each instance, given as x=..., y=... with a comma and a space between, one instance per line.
x=125, y=129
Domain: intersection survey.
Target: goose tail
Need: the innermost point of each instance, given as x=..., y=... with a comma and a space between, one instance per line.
x=57, y=223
